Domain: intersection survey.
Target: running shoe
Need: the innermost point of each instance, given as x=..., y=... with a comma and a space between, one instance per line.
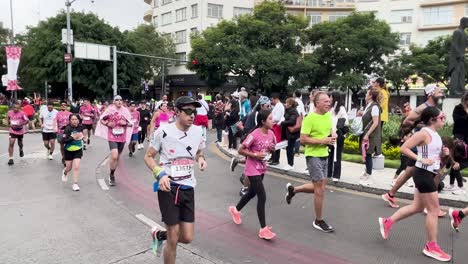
x=335, y=180
x=234, y=162
x=459, y=192
x=322, y=226
x=385, y=226
x=441, y=213
x=391, y=201
x=64, y=176
x=76, y=187
x=50, y=157
x=450, y=188
x=157, y=243
x=84, y=146
x=288, y=167
x=289, y=193
x=21, y=153
x=11, y=162
x=266, y=233
x=236, y=215
x=111, y=180
x=130, y=154
x=433, y=250
x=455, y=219
x=243, y=191
x=365, y=180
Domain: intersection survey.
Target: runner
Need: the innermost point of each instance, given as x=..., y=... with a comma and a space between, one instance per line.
x=434, y=95
x=135, y=121
x=256, y=147
x=456, y=216
x=73, y=140
x=116, y=126
x=49, y=129
x=17, y=120
x=315, y=131
x=428, y=163
x=160, y=117
x=145, y=117
x=202, y=115
x=179, y=146
x=62, y=119
x=87, y=114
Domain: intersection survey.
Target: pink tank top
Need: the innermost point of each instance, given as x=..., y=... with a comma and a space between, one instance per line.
x=163, y=117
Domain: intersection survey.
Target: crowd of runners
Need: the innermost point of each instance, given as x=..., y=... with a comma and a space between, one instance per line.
x=177, y=135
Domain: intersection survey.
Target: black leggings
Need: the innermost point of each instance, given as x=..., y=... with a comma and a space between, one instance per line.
x=456, y=175
x=403, y=164
x=232, y=139
x=142, y=134
x=256, y=188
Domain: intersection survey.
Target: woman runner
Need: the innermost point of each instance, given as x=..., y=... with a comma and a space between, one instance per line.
x=136, y=121
x=73, y=141
x=63, y=119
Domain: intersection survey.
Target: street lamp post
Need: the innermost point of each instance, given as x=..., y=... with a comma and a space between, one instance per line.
x=68, y=3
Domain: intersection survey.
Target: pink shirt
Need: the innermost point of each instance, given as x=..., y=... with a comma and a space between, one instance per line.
x=63, y=119
x=87, y=114
x=118, y=133
x=135, y=120
x=258, y=142
x=17, y=121
x=163, y=117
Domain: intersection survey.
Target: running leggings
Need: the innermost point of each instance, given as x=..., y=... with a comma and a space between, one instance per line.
x=456, y=175
x=256, y=188
x=142, y=134
x=403, y=162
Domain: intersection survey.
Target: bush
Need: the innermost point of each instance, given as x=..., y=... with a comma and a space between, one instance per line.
x=391, y=128
x=3, y=109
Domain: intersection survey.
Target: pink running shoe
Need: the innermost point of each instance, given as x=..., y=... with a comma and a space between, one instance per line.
x=385, y=225
x=391, y=201
x=454, y=219
x=236, y=215
x=433, y=250
x=441, y=213
x=266, y=233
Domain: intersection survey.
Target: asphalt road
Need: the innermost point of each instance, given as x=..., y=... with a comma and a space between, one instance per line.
x=43, y=221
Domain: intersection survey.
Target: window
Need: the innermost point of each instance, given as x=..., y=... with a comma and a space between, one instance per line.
x=181, y=14
x=194, y=10
x=241, y=11
x=466, y=10
x=336, y=15
x=405, y=39
x=315, y=18
x=181, y=36
x=166, y=35
x=155, y=3
x=181, y=58
x=440, y=15
x=215, y=11
x=155, y=21
x=194, y=30
x=401, y=16
x=165, y=2
x=166, y=18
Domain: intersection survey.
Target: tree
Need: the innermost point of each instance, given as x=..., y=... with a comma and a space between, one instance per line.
x=351, y=48
x=4, y=34
x=263, y=47
x=397, y=70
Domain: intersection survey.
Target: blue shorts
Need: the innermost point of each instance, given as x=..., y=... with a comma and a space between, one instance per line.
x=135, y=137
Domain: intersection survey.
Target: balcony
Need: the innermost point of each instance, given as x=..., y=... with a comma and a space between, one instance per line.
x=430, y=3
x=335, y=5
x=148, y=2
x=148, y=15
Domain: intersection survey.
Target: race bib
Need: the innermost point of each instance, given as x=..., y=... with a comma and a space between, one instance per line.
x=15, y=122
x=87, y=118
x=139, y=128
x=181, y=169
x=146, y=118
x=118, y=131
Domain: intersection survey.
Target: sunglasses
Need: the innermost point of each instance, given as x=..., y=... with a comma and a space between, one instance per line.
x=117, y=100
x=442, y=116
x=189, y=111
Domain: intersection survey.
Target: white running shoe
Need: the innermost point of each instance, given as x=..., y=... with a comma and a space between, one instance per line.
x=50, y=157
x=336, y=180
x=76, y=187
x=459, y=192
x=450, y=188
x=64, y=176
x=288, y=167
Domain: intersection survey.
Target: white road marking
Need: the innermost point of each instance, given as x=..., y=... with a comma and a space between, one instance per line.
x=147, y=221
x=103, y=184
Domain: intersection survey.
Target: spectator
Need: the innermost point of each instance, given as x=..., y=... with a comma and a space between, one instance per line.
x=339, y=127
x=460, y=119
x=245, y=105
x=302, y=112
x=201, y=119
x=379, y=85
x=232, y=118
x=291, y=117
x=29, y=111
x=278, y=117
x=218, y=120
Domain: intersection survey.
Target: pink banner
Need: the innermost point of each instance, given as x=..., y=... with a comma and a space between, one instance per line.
x=13, y=58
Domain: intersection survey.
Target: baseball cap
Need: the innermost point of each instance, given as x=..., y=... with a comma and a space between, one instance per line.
x=117, y=97
x=430, y=89
x=185, y=100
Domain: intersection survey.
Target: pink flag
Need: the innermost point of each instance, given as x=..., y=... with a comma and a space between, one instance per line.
x=13, y=58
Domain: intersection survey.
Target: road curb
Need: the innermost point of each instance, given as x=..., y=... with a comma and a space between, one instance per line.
x=354, y=187
x=3, y=131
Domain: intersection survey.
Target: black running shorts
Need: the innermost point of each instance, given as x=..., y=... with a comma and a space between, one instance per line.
x=117, y=145
x=424, y=180
x=175, y=211
x=48, y=136
x=71, y=155
x=16, y=136
x=88, y=126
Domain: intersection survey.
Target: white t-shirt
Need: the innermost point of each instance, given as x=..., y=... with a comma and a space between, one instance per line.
x=278, y=112
x=203, y=110
x=177, y=150
x=300, y=106
x=48, y=118
x=341, y=114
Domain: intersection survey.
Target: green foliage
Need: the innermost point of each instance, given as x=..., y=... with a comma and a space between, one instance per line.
x=397, y=70
x=3, y=109
x=391, y=128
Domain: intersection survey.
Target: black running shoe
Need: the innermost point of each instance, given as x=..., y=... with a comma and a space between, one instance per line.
x=10, y=162
x=241, y=179
x=130, y=154
x=322, y=226
x=234, y=162
x=84, y=147
x=89, y=141
x=111, y=180
x=289, y=193
x=21, y=153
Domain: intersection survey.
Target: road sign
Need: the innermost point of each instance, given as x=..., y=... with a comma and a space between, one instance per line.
x=92, y=51
x=64, y=36
x=67, y=57
x=4, y=80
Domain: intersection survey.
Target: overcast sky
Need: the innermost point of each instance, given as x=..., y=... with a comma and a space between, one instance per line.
x=126, y=14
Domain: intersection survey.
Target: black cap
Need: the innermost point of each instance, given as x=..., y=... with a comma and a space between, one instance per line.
x=185, y=100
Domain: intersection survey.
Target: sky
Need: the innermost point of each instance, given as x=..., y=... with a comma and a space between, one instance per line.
x=126, y=14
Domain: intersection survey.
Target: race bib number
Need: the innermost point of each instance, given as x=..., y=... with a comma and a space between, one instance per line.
x=118, y=131
x=87, y=118
x=146, y=118
x=181, y=169
x=15, y=122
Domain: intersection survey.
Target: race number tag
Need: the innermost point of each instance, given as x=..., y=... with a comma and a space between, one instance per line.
x=15, y=122
x=181, y=169
x=118, y=131
x=139, y=128
x=87, y=118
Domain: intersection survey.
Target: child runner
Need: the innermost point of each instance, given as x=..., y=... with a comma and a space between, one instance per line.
x=256, y=147
x=17, y=120
x=62, y=119
x=73, y=140
x=429, y=145
x=136, y=121
x=49, y=129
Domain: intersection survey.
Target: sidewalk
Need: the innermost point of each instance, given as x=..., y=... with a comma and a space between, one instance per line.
x=350, y=173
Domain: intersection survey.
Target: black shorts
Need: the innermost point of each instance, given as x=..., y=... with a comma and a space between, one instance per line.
x=71, y=155
x=88, y=126
x=48, y=136
x=424, y=180
x=410, y=162
x=182, y=210
x=117, y=145
x=16, y=136
x=31, y=118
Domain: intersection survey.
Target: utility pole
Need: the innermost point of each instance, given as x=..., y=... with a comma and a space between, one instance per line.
x=68, y=3
x=163, y=82
x=12, y=42
x=114, y=48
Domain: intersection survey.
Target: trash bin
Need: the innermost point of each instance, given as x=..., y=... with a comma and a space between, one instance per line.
x=378, y=162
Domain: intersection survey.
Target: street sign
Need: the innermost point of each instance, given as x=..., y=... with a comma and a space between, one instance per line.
x=67, y=57
x=64, y=36
x=4, y=80
x=92, y=51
